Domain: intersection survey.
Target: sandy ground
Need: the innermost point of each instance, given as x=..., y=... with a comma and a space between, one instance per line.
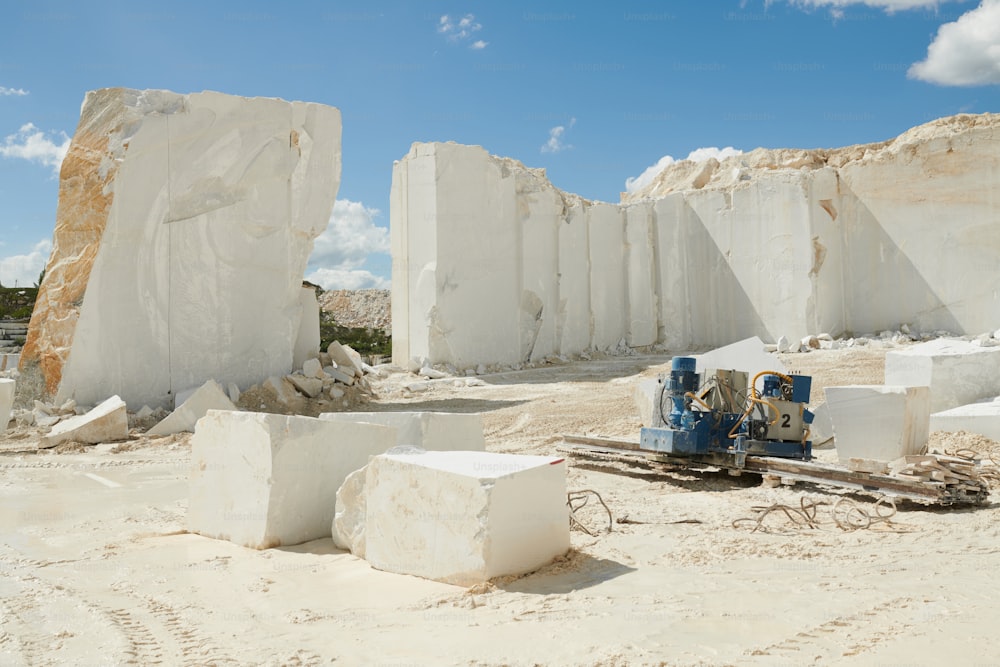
x=96, y=566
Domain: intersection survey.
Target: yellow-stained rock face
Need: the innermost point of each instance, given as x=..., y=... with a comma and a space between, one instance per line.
x=184, y=226
x=85, y=200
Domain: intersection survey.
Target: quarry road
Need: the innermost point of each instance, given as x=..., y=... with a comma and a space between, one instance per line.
x=92, y=573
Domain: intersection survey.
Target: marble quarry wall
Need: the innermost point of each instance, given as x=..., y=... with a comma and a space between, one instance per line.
x=183, y=230
x=494, y=265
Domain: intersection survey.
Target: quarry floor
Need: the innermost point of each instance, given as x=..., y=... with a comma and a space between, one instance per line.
x=96, y=566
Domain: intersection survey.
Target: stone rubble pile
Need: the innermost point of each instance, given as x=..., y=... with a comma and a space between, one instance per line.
x=366, y=308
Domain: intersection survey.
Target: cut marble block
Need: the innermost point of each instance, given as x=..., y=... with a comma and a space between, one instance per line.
x=263, y=480
x=183, y=229
x=107, y=422
x=957, y=371
x=877, y=422
x=982, y=417
x=440, y=431
x=6, y=402
x=464, y=517
x=195, y=406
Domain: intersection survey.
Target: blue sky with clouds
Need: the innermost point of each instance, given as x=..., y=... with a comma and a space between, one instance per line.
x=596, y=93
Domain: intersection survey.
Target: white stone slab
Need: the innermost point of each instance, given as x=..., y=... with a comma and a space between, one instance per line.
x=747, y=355
x=982, y=417
x=877, y=422
x=6, y=401
x=957, y=371
x=464, y=517
x=107, y=422
x=207, y=397
x=264, y=480
x=441, y=431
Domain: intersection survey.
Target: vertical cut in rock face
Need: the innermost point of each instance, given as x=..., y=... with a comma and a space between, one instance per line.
x=184, y=226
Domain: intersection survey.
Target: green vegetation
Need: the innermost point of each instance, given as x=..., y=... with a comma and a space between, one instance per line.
x=365, y=341
x=17, y=302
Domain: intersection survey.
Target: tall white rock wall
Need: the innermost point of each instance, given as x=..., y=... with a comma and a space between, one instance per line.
x=184, y=227
x=492, y=264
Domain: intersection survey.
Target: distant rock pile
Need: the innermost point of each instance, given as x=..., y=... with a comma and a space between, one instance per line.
x=367, y=308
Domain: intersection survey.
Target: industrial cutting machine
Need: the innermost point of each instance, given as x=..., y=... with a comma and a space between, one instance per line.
x=720, y=414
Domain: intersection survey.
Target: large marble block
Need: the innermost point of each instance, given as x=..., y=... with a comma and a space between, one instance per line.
x=878, y=422
x=982, y=417
x=183, y=230
x=7, y=387
x=106, y=422
x=957, y=371
x=464, y=517
x=441, y=431
x=263, y=480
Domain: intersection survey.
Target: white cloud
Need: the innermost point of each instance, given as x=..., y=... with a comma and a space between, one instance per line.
x=461, y=29
x=340, y=251
x=23, y=270
x=965, y=52
x=20, y=92
x=556, y=141
x=30, y=143
x=889, y=6
x=636, y=183
x=347, y=279
x=478, y=45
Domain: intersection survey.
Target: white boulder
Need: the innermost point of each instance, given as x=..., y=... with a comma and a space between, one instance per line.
x=464, y=517
x=207, y=397
x=107, y=422
x=263, y=480
x=877, y=422
x=957, y=371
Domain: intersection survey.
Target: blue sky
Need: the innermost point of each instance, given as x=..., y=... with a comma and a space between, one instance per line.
x=596, y=93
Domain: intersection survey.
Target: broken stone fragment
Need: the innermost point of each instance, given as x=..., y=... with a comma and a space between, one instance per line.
x=312, y=368
x=345, y=357
x=207, y=397
x=107, y=422
x=432, y=373
x=340, y=376
x=308, y=386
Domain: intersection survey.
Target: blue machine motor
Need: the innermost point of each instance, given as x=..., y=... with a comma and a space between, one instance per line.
x=723, y=413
